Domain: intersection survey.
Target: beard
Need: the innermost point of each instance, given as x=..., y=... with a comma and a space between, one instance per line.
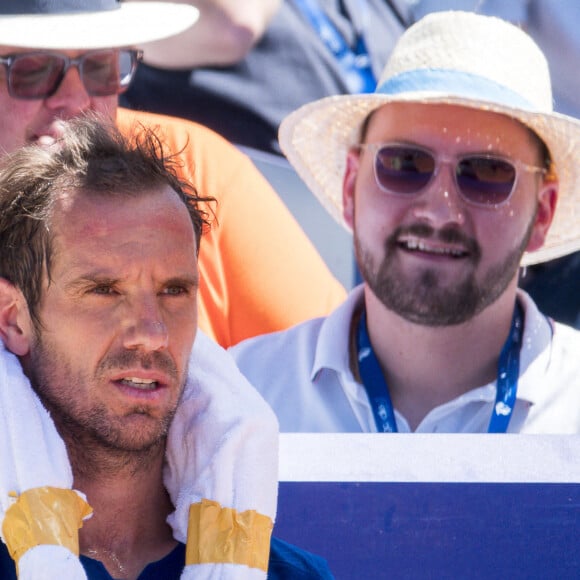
x=423, y=299
x=88, y=426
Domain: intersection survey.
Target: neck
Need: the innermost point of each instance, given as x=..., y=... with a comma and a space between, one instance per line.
x=128, y=529
x=425, y=367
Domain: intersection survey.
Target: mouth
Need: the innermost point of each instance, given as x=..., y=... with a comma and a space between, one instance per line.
x=140, y=384
x=430, y=248
x=48, y=135
x=45, y=140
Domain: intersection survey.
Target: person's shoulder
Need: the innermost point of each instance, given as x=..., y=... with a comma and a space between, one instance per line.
x=288, y=562
x=210, y=162
x=566, y=330
x=566, y=339
x=289, y=342
x=172, y=126
x=261, y=356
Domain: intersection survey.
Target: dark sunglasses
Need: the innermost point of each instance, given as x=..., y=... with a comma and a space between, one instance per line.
x=481, y=179
x=37, y=75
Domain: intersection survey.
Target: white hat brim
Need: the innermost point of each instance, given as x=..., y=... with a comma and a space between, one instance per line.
x=131, y=24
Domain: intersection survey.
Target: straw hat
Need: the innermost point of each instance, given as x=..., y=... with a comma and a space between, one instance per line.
x=89, y=24
x=456, y=58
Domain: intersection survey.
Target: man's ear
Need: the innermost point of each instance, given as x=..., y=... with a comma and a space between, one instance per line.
x=15, y=322
x=547, y=199
x=349, y=186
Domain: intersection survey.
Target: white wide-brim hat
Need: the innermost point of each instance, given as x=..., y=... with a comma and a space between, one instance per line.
x=457, y=58
x=89, y=24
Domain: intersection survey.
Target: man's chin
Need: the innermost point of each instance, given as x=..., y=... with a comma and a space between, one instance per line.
x=140, y=433
x=427, y=301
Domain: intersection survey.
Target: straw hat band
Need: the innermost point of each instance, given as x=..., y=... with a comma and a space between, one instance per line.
x=461, y=84
x=495, y=50
x=59, y=7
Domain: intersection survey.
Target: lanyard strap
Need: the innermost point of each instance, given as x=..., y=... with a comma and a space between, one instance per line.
x=354, y=61
x=377, y=389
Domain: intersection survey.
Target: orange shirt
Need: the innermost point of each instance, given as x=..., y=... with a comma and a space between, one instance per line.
x=258, y=270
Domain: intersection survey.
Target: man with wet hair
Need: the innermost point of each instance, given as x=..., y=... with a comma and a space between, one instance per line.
x=98, y=306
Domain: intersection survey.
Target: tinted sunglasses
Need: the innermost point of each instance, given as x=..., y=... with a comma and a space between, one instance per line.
x=37, y=75
x=481, y=179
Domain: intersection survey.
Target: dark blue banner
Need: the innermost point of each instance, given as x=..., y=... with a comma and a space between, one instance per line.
x=458, y=507
x=459, y=531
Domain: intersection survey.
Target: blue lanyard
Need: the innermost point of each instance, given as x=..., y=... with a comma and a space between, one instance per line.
x=507, y=378
x=354, y=61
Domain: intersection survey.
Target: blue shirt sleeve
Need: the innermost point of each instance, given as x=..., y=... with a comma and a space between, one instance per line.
x=288, y=562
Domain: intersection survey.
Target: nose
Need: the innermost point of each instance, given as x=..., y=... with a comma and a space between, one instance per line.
x=145, y=328
x=441, y=204
x=70, y=97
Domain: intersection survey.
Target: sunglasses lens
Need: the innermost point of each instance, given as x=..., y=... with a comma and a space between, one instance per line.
x=35, y=76
x=403, y=170
x=128, y=60
x=108, y=72
x=485, y=180
x=104, y=73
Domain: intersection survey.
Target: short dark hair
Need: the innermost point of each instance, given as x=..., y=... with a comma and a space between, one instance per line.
x=91, y=157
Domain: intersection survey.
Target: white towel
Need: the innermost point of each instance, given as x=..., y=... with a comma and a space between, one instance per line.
x=32, y=455
x=222, y=446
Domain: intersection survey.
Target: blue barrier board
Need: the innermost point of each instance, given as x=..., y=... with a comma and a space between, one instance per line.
x=435, y=530
x=445, y=506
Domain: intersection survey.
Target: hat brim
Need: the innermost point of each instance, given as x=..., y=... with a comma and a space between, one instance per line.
x=316, y=139
x=131, y=24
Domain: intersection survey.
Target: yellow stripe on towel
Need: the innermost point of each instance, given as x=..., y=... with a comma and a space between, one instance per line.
x=44, y=515
x=219, y=535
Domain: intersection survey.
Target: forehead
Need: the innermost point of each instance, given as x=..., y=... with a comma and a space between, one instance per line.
x=154, y=227
x=449, y=124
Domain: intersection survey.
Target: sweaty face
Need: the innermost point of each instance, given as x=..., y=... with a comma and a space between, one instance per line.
x=432, y=257
x=29, y=121
x=118, y=319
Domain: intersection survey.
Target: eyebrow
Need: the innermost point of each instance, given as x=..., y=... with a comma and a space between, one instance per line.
x=186, y=280
x=83, y=281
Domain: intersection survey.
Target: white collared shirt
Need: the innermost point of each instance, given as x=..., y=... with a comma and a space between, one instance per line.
x=304, y=374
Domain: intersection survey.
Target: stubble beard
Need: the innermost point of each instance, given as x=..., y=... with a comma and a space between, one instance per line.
x=422, y=299
x=96, y=441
